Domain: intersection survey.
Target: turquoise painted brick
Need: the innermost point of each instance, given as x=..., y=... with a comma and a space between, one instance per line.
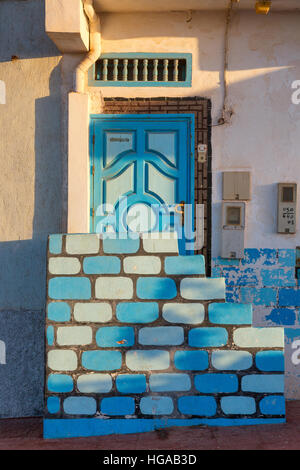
x=137, y=312
x=189, y=313
x=216, y=272
x=55, y=244
x=238, y=405
x=272, y=405
x=161, y=335
x=65, y=288
x=50, y=335
x=59, y=311
x=94, y=383
x=154, y=359
x=231, y=360
x=170, y=382
x=202, y=288
x=115, y=336
x=86, y=243
x=102, y=360
x=279, y=277
x=101, y=265
x=264, y=256
x=60, y=383
x=80, y=406
x=131, y=383
x=156, y=405
x=117, y=406
x=207, y=337
x=258, y=296
x=195, y=405
x=270, y=361
x=114, y=288
x=191, y=360
x=289, y=297
x=262, y=383
x=287, y=257
x=156, y=288
x=53, y=404
x=259, y=337
x=216, y=383
x=121, y=246
x=193, y=264
x=230, y=314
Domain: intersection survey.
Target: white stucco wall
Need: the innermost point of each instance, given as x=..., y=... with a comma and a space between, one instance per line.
x=264, y=133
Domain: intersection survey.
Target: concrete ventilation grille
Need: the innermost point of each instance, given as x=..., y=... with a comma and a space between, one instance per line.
x=148, y=70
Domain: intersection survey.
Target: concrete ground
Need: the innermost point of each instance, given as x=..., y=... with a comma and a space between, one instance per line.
x=27, y=434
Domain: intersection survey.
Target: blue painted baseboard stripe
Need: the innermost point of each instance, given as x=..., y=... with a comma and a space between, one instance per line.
x=66, y=428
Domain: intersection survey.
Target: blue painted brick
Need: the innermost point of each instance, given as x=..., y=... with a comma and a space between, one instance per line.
x=50, y=335
x=195, y=405
x=156, y=405
x=102, y=360
x=169, y=382
x=69, y=288
x=59, y=311
x=193, y=264
x=231, y=360
x=137, y=312
x=156, y=288
x=279, y=277
x=161, y=335
x=287, y=257
x=207, y=337
x=216, y=383
x=216, y=272
x=289, y=297
x=258, y=296
x=237, y=277
x=154, y=359
x=115, y=336
x=117, y=406
x=262, y=383
x=131, y=383
x=80, y=405
x=232, y=294
x=119, y=246
x=60, y=383
x=55, y=244
x=265, y=256
x=101, y=265
x=282, y=316
x=191, y=360
x=230, y=314
x=238, y=405
x=53, y=405
x=269, y=361
x=272, y=405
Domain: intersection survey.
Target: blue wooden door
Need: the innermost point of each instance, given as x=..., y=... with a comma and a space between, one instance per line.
x=142, y=169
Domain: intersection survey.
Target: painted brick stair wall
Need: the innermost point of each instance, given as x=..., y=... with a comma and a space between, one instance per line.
x=138, y=338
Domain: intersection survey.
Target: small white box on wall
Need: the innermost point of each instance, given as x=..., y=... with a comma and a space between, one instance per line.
x=233, y=230
x=287, y=205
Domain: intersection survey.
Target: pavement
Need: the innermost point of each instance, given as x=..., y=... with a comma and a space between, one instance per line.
x=26, y=434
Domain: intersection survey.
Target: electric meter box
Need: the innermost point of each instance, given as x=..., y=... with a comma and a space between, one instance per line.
x=287, y=201
x=233, y=230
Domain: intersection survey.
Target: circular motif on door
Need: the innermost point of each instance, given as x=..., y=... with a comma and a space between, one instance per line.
x=140, y=218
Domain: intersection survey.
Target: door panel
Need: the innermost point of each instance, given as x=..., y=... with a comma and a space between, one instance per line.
x=146, y=158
